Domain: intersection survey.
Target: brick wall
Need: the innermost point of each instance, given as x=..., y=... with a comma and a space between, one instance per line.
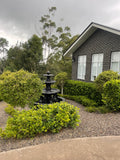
x=100, y=42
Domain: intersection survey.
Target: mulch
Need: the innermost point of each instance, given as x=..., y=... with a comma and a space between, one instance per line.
x=92, y=125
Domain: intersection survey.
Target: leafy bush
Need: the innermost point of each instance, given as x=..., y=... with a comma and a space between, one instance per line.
x=82, y=100
x=99, y=109
x=79, y=88
x=10, y=110
x=61, y=79
x=52, y=117
x=104, y=77
x=20, y=88
x=111, y=95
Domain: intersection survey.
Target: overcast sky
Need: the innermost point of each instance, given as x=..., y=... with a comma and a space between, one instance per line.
x=18, y=18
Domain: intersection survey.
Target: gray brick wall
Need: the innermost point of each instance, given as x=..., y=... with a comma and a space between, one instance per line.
x=100, y=42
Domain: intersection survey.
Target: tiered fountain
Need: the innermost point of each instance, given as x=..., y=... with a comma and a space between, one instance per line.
x=49, y=95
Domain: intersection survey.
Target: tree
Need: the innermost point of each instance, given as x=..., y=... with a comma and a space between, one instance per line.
x=3, y=50
x=3, y=45
x=20, y=88
x=57, y=63
x=15, y=58
x=60, y=80
x=55, y=38
x=33, y=54
x=27, y=55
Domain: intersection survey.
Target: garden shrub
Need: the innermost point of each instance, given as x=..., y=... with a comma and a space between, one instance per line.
x=99, y=109
x=10, y=110
x=111, y=95
x=52, y=118
x=82, y=100
x=103, y=77
x=79, y=88
x=20, y=88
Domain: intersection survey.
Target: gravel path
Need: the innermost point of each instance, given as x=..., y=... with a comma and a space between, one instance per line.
x=92, y=124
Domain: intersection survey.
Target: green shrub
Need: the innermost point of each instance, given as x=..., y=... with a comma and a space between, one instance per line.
x=51, y=118
x=79, y=88
x=104, y=77
x=10, y=110
x=82, y=100
x=111, y=95
x=20, y=88
x=100, y=109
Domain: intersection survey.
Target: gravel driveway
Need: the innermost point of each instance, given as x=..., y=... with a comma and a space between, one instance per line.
x=92, y=124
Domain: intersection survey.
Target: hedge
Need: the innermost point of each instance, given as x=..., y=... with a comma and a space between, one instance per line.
x=79, y=88
x=82, y=100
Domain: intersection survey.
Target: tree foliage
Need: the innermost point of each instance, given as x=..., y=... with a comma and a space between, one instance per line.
x=3, y=45
x=20, y=88
x=3, y=50
x=27, y=55
x=55, y=38
x=61, y=79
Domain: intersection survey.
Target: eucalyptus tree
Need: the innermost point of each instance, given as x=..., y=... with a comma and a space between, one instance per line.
x=54, y=38
x=3, y=51
x=3, y=46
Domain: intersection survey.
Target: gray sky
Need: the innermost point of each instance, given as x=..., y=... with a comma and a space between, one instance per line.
x=18, y=18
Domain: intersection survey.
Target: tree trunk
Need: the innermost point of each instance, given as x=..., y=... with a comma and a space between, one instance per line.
x=62, y=90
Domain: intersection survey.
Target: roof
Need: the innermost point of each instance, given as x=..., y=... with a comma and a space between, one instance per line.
x=87, y=33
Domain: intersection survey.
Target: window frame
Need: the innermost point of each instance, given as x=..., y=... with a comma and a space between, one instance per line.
x=98, y=63
x=82, y=77
x=115, y=61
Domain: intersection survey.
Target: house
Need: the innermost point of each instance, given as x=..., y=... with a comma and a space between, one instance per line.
x=97, y=49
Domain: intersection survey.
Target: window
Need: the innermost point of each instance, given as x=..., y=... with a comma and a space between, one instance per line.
x=115, y=61
x=81, y=67
x=97, y=65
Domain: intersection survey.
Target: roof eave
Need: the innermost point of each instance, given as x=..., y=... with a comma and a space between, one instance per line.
x=86, y=34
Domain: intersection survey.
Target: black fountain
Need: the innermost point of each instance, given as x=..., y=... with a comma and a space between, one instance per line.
x=49, y=95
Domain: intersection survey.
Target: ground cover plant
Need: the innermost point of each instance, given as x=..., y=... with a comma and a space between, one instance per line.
x=44, y=118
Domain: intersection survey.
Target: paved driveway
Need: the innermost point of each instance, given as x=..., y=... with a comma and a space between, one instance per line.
x=95, y=148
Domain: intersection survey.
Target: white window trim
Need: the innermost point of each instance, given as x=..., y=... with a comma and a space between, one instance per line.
x=92, y=79
x=82, y=77
x=116, y=61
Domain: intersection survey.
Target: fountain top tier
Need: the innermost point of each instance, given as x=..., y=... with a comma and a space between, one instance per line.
x=48, y=83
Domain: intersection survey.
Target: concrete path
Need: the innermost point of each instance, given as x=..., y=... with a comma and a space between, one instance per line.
x=96, y=148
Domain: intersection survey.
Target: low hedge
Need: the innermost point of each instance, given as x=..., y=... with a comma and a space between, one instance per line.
x=82, y=100
x=52, y=118
x=79, y=88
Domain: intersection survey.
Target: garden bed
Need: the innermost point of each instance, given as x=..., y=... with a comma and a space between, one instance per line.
x=92, y=124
